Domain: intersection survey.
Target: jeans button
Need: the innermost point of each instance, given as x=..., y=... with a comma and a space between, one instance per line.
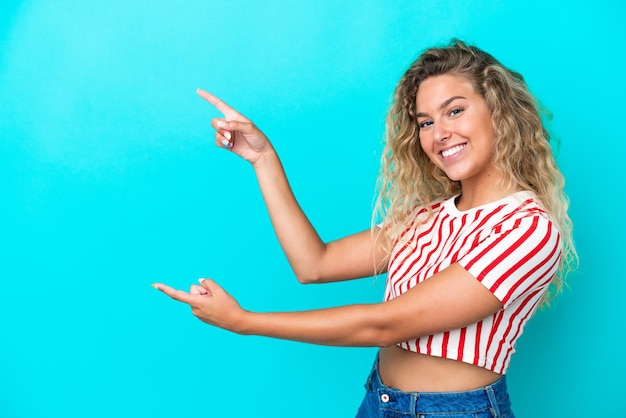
x=384, y=397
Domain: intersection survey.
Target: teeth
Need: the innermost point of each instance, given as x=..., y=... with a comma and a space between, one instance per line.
x=452, y=151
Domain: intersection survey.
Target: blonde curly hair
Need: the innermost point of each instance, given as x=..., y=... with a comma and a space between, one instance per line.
x=523, y=155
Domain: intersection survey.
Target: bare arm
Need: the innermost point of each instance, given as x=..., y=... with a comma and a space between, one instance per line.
x=450, y=299
x=312, y=260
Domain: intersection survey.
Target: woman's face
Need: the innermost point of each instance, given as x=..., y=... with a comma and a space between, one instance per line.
x=455, y=129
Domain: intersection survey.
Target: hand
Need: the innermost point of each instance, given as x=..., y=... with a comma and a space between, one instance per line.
x=209, y=303
x=236, y=132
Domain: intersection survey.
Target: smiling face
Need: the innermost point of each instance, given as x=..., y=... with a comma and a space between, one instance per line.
x=456, y=130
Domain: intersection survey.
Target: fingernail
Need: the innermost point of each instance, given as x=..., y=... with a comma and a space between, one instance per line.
x=154, y=285
x=201, y=280
x=225, y=142
x=227, y=135
x=221, y=124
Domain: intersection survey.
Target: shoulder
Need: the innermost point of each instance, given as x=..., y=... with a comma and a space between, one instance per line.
x=519, y=253
x=523, y=210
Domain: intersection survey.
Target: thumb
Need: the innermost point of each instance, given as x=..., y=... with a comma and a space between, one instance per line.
x=244, y=127
x=207, y=284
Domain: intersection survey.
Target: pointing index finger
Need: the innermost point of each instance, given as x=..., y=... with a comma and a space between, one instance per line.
x=218, y=103
x=175, y=294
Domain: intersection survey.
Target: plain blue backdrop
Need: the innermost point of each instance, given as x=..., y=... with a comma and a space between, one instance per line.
x=109, y=181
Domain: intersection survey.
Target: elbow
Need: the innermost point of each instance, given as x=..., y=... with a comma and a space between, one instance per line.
x=381, y=337
x=385, y=340
x=308, y=278
x=309, y=274
x=389, y=333
x=311, y=269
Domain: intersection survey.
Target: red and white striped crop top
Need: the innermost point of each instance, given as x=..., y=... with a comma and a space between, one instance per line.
x=511, y=246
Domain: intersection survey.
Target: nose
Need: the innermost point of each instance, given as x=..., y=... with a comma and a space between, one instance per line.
x=441, y=132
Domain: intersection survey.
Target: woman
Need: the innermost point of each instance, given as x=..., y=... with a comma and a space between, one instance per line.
x=474, y=237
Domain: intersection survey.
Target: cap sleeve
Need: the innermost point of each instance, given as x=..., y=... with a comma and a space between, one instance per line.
x=519, y=256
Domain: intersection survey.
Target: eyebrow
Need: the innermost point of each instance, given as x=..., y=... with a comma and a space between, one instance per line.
x=442, y=105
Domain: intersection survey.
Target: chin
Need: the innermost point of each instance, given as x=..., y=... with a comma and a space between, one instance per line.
x=454, y=177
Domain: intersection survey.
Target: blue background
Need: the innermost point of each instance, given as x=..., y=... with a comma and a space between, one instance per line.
x=109, y=181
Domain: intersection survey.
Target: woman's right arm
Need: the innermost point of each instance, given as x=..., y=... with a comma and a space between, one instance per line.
x=313, y=260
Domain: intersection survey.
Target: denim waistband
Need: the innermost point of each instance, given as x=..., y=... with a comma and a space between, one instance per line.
x=492, y=397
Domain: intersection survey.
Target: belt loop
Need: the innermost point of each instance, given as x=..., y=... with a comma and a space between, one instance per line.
x=372, y=375
x=369, y=383
x=495, y=410
x=414, y=398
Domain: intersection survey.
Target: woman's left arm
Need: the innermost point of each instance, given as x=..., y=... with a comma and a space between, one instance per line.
x=448, y=300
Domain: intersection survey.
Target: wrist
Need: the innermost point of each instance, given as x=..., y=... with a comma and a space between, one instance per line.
x=266, y=159
x=243, y=323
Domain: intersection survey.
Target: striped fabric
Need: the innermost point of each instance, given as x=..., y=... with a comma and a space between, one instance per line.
x=511, y=246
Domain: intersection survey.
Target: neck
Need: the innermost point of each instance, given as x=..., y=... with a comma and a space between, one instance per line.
x=476, y=194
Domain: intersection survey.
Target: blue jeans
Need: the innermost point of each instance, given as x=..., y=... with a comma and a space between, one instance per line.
x=381, y=401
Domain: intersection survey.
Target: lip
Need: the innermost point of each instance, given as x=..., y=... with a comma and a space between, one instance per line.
x=452, y=151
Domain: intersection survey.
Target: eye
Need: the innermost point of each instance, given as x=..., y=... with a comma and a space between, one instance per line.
x=456, y=111
x=425, y=124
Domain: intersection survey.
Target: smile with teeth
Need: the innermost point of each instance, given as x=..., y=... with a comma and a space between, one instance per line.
x=451, y=151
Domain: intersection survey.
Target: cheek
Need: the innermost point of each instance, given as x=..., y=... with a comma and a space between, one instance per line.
x=490, y=138
x=426, y=148
x=487, y=125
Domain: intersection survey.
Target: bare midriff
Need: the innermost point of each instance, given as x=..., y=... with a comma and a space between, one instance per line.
x=414, y=372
